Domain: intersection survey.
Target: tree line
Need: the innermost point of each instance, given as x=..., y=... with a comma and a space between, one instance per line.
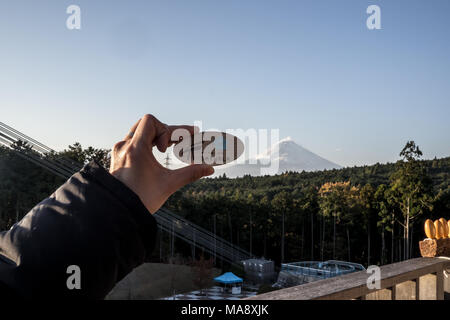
x=369, y=214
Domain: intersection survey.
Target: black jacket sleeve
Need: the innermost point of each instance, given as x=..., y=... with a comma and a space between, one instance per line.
x=94, y=222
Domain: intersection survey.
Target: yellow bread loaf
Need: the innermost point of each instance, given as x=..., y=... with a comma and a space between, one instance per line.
x=448, y=227
x=444, y=226
x=439, y=229
x=430, y=230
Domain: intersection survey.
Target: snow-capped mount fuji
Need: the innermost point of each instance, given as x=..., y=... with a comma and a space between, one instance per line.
x=287, y=154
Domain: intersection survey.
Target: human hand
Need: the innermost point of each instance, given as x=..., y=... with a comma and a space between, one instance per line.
x=133, y=163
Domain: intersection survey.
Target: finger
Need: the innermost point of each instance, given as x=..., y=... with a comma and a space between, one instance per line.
x=166, y=139
x=132, y=131
x=148, y=130
x=183, y=176
x=162, y=141
x=189, y=129
x=176, y=135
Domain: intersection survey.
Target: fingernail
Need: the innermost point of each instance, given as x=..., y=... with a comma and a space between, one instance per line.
x=210, y=171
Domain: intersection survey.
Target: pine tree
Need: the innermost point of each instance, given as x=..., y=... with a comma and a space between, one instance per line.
x=412, y=190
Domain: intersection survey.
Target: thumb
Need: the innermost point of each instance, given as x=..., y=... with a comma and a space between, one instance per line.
x=189, y=174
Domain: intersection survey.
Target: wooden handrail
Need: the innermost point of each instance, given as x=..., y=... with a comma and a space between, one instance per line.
x=354, y=285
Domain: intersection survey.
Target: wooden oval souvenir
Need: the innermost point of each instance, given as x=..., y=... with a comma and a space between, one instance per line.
x=209, y=147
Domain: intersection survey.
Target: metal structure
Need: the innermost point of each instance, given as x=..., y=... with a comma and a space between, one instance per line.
x=167, y=162
x=259, y=271
x=36, y=152
x=298, y=273
x=321, y=270
x=183, y=229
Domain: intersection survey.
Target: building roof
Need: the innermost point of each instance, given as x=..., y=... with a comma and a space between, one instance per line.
x=228, y=277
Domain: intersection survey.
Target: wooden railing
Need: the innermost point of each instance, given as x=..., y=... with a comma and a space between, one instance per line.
x=415, y=279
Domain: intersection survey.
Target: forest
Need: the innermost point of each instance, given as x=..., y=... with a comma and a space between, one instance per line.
x=370, y=214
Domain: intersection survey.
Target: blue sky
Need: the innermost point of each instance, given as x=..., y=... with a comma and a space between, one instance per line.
x=310, y=68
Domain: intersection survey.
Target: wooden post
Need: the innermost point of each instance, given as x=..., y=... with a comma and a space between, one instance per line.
x=417, y=288
x=393, y=292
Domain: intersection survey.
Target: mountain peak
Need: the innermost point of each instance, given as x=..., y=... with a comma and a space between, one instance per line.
x=287, y=139
x=287, y=154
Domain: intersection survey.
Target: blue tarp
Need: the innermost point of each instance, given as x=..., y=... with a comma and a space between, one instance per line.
x=228, y=277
